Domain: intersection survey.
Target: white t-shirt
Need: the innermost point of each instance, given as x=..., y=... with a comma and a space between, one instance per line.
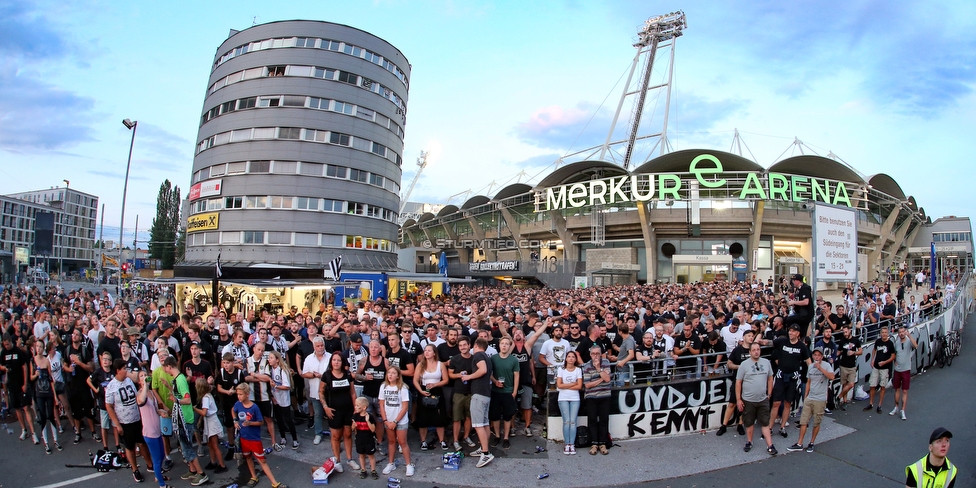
x=394, y=399
x=279, y=378
x=555, y=352
x=730, y=338
x=569, y=377
x=122, y=394
x=41, y=329
x=312, y=364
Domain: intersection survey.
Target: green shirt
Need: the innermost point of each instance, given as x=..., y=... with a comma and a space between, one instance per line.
x=183, y=391
x=162, y=384
x=504, y=369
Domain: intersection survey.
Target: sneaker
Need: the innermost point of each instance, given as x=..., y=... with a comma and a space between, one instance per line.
x=23, y=435
x=843, y=406
x=77, y=438
x=893, y=411
x=506, y=444
x=748, y=447
x=424, y=446
x=527, y=431
x=457, y=446
x=167, y=465
x=35, y=439
x=827, y=411
x=741, y=430
x=443, y=446
x=566, y=449
x=317, y=440
x=137, y=475
x=469, y=442
x=47, y=449
x=495, y=442
x=903, y=415
x=220, y=469
x=477, y=453
x=337, y=464
x=60, y=430
x=210, y=466
x=594, y=450
x=572, y=449
x=410, y=469
x=353, y=464
x=390, y=467
x=772, y=450
x=868, y=408
x=57, y=445
x=363, y=474
x=795, y=448
x=783, y=433
x=879, y=409
x=294, y=445
x=721, y=430
x=374, y=474
x=187, y=475
x=485, y=459
x=200, y=479
x=810, y=447
x=97, y=437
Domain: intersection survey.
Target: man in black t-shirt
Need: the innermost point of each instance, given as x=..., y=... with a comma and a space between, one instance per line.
x=480, y=380
x=460, y=365
x=884, y=356
x=848, y=349
x=13, y=362
x=838, y=320
x=686, y=345
x=802, y=305
x=789, y=355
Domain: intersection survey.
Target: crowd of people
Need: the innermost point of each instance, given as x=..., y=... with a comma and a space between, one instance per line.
x=463, y=368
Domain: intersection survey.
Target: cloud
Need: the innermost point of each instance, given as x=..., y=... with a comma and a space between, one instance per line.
x=565, y=129
x=162, y=150
x=28, y=34
x=36, y=115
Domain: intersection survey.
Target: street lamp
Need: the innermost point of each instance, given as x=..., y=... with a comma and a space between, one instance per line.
x=131, y=125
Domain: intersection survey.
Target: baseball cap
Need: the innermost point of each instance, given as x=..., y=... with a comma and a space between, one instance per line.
x=798, y=277
x=939, y=433
x=794, y=327
x=355, y=337
x=817, y=349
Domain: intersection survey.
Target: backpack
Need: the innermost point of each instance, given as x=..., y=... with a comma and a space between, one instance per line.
x=583, y=437
x=105, y=461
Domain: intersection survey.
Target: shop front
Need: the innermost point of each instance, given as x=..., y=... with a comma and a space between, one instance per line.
x=701, y=268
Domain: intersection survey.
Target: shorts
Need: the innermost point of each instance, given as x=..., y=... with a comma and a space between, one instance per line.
x=365, y=443
x=479, y=410
x=879, y=377
x=403, y=425
x=901, y=380
x=755, y=411
x=104, y=419
x=784, y=390
x=252, y=448
x=186, y=446
x=265, y=408
x=525, y=397
x=815, y=409
x=341, y=418
x=848, y=376
x=132, y=434
x=462, y=407
x=374, y=406
x=16, y=399
x=502, y=407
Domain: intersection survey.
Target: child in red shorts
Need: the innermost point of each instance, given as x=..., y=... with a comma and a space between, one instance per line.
x=248, y=420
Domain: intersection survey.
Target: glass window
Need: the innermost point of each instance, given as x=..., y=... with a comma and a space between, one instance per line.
x=211, y=238
x=331, y=240
x=346, y=108
x=222, y=138
x=299, y=71
x=214, y=204
x=282, y=202
x=228, y=106
x=362, y=144
x=340, y=139
x=376, y=180
x=306, y=239
x=358, y=175
x=289, y=133
x=365, y=113
x=347, y=77
x=269, y=101
x=260, y=167
x=315, y=135
x=217, y=170
x=332, y=205
x=305, y=203
x=312, y=169
x=241, y=135
x=234, y=202
x=253, y=73
x=293, y=101
x=256, y=202
x=335, y=171
x=263, y=133
x=379, y=149
x=236, y=168
x=244, y=103
x=279, y=237
x=286, y=167
x=253, y=237
x=357, y=208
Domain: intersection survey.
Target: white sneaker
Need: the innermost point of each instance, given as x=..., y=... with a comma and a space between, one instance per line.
x=469, y=442
x=337, y=464
x=903, y=415
x=353, y=464
x=485, y=459
x=410, y=469
x=23, y=435
x=457, y=445
x=528, y=432
x=389, y=468
x=317, y=440
x=893, y=411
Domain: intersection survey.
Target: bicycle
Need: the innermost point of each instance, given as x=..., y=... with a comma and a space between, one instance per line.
x=942, y=355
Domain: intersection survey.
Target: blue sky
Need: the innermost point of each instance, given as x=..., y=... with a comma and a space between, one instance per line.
x=503, y=87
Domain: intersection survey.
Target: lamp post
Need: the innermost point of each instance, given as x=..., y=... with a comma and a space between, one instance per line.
x=64, y=232
x=131, y=125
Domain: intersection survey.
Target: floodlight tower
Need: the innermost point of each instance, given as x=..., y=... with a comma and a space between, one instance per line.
x=659, y=32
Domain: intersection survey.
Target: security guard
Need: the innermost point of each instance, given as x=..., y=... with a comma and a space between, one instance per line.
x=934, y=470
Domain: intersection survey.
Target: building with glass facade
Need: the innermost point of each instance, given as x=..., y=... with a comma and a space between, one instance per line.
x=299, y=153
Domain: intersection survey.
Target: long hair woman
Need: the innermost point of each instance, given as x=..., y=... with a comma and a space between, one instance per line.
x=429, y=380
x=569, y=382
x=281, y=396
x=338, y=395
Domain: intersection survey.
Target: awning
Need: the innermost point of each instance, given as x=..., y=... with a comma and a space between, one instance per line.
x=429, y=278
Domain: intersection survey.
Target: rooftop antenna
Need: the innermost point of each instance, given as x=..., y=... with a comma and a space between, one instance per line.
x=657, y=33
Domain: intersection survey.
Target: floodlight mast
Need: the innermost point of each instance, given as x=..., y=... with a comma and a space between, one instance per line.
x=655, y=30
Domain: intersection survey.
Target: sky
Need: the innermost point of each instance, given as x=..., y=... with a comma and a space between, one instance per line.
x=501, y=90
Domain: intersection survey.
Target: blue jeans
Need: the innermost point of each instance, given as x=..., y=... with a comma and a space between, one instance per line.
x=569, y=410
x=319, y=413
x=155, y=445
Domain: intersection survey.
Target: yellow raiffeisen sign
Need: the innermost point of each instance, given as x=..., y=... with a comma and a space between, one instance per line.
x=645, y=187
x=204, y=221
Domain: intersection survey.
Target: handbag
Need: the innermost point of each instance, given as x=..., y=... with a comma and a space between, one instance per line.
x=166, y=426
x=432, y=401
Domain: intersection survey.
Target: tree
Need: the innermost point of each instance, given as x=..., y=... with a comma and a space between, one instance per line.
x=162, y=234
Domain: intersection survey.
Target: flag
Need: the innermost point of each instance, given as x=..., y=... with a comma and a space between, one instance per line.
x=335, y=266
x=217, y=272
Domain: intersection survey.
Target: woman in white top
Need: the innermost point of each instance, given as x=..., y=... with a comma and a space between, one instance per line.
x=395, y=398
x=55, y=359
x=569, y=382
x=429, y=383
x=281, y=398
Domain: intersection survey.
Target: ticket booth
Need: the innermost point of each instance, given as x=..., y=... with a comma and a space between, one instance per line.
x=704, y=267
